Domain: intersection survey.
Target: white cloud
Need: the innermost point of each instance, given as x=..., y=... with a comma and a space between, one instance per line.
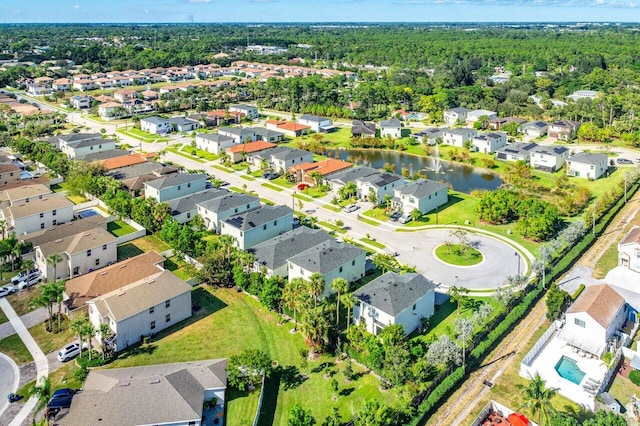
x=77, y=6
x=199, y=1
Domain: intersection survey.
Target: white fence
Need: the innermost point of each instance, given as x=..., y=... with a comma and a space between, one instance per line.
x=257, y=417
x=533, y=353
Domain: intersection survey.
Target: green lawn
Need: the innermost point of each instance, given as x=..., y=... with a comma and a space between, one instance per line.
x=373, y=243
x=273, y=187
x=13, y=347
x=184, y=154
x=178, y=267
x=314, y=192
x=50, y=342
x=331, y=226
x=377, y=213
x=22, y=301
x=607, y=262
x=222, y=168
x=226, y=315
x=370, y=222
x=456, y=255
x=622, y=389
x=248, y=177
x=299, y=196
x=331, y=207
x=120, y=228
x=141, y=245
x=3, y=317
x=282, y=181
x=199, y=153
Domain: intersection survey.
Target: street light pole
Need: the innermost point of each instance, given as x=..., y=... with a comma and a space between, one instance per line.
x=544, y=267
x=517, y=255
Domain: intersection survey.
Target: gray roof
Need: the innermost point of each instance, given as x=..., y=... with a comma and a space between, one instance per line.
x=535, y=124
x=274, y=253
x=431, y=132
x=103, y=155
x=359, y=127
x=421, y=188
x=238, y=131
x=519, y=148
x=177, y=179
x=257, y=217
x=78, y=136
x=459, y=110
x=214, y=137
x=390, y=123
x=490, y=136
x=314, y=118
x=89, y=142
x=189, y=202
x=78, y=242
x=460, y=131
x=64, y=230
x=135, y=170
x=243, y=107
x=394, y=293
x=550, y=150
x=350, y=175
x=227, y=202
x=566, y=123
x=155, y=120
x=588, y=158
x=287, y=153
x=381, y=179
x=153, y=394
x=181, y=121
x=327, y=257
x=267, y=133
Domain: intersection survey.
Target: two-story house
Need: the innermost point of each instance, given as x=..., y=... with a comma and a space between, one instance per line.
x=156, y=125
x=456, y=115
x=24, y=194
x=422, y=194
x=184, y=209
x=488, y=143
x=255, y=226
x=379, y=185
x=249, y=111
x=458, y=137
x=75, y=149
x=175, y=186
x=215, y=210
x=517, y=151
x=563, y=129
x=549, y=158
x=391, y=128
x=27, y=217
x=239, y=134
x=587, y=166
x=316, y=123
x=629, y=249
x=534, y=128
x=213, y=142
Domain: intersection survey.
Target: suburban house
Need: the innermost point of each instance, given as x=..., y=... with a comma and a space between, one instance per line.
x=517, y=151
x=593, y=319
x=215, y=210
x=629, y=249
x=380, y=185
x=458, y=137
x=456, y=115
x=213, y=142
x=174, y=186
x=534, y=128
x=239, y=134
x=142, y=308
x=422, y=194
x=340, y=179
x=488, y=143
x=27, y=217
x=78, y=291
x=316, y=123
x=394, y=299
x=81, y=253
x=563, y=129
x=408, y=115
x=476, y=115
x=124, y=160
x=429, y=136
x=548, y=158
x=303, y=172
x=255, y=226
x=184, y=124
x=155, y=125
x=75, y=149
x=271, y=255
x=280, y=158
x=249, y=111
x=392, y=128
x=174, y=394
x=134, y=177
x=47, y=235
x=24, y=194
x=124, y=95
x=9, y=174
x=185, y=208
x=332, y=259
x=498, y=122
x=586, y=165
x=81, y=102
x=268, y=135
x=108, y=110
x=360, y=129
x=61, y=85
x=291, y=129
x=238, y=153
x=60, y=140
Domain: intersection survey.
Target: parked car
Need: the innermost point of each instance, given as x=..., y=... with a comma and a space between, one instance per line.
x=33, y=278
x=270, y=175
x=69, y=352
x=56, y=405
x=395, y=216
x=405, y=218
x=20, y=277
x=7, y=290
x=350, y=208
x=64, y=393
x=623, y=161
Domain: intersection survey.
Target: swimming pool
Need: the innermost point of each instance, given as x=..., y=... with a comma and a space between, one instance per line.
x=568, y=369
x=87, y=213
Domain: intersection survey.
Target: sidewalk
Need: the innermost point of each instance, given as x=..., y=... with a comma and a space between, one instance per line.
x=42, y=365
x=30, y=319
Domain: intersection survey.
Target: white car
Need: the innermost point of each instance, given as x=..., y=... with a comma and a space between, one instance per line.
x=20, y=277
x=350, y=208
x=33, y=279
x=69, y=352
x=7, y=290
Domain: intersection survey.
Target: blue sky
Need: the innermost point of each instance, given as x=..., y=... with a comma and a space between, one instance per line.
x=16, y=11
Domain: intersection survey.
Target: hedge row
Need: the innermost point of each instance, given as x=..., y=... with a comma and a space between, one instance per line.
x=454, y=380
x=578, y=292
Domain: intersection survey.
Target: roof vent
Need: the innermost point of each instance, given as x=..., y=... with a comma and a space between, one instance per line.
x=122, y=384
x=123, y=266
x=154, y=381
x=104, y=273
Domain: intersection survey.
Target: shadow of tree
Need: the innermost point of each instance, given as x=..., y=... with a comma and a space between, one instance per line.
x=290, y=377
x=346, y=391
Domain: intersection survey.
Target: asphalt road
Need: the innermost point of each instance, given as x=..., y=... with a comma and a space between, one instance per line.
x=9, y=376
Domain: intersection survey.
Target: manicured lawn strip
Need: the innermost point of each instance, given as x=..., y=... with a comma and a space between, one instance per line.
x=183, y=154
x=302, y=197
x=141, y=245
x=247, y=177
x=205, y=155
x=283, y=182
x=607, y=262
x=450, y=255
x=370, y=222
x=267, y=201
x=3, y=317
x=273, y=187
x=22, y=301
x=222, y=168
x=120, y=228
x=331, y=207
x=377, y=213
x=372, y=243
x=50, y=342
x=313, y=192
x=13, y=347
x=333, y=227
x=64, y=377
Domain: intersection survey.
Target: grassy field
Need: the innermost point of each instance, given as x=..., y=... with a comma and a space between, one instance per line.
x=373, y=243
x=141, y=245
x=120, y=228
x=607, y=262
x=22, y=301
x=453, y=256
x=178, y=151
x=227, y=314
x=622, y=389
x=13, y=347
x=50, y=342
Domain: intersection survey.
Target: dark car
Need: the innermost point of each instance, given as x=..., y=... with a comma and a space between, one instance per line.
x=624, y=161
x=395, y=216
x=55, y=405
x=63, y=393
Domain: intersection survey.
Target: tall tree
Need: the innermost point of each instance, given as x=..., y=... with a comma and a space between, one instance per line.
x=537, y=398
x=53, y=260
x=316, y=287
x=340, y=286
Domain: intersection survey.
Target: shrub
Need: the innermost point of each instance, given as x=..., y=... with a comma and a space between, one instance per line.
x=578, y=292
x=634, y=376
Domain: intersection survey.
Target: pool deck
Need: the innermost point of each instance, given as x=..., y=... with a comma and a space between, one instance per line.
x=545, y=364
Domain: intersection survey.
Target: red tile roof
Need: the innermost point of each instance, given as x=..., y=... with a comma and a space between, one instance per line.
x=251, y=147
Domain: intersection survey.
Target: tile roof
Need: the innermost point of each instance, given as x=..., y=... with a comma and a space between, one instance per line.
x=123, y=161
x=292, y=127
x=600, y=302
x=324, y=167
x=251, y=147
x=393, y=293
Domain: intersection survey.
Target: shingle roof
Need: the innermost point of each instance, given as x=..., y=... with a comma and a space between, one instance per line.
x=421, y=188
x=155, y=120
x=350, y=175
x=89, y=142
x=64, y=230
x=588, y=158
x=520, y=148
x=154, y=394
x=326, y=258
x=360, y=127
x=274, y=253
x=227, y=202
x=214, y=137
x=459, y=110
x=78, y=136
x=25, y=191
x=632, y=237
x=550, y=150
x=104, y=155
x=534, y=124
x=313, y=118
x=257, y=217
x=490, y=136
x=393, y=293
x=189, y=202
x=390, y=123
x=104, y=281
x=129, y=172
x=79, y=242
x=267, y=133
x=600, y=302
x=37, y=206
x=174, y=180
x=287, y=153
x=380, y=179
x=237, y=131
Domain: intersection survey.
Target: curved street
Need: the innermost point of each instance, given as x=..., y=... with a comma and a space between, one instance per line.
x=9, y=378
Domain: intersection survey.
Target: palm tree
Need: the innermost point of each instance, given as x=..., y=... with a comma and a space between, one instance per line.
x=54, y=259
x=57, y=292
x=44, y=300
x=78, y=327
x=537, y=398
x=340, y=286
x=349, y=301
x=3, y=228
x=89, y=331
x=316, y=286
x=29, y=264
x=314, y=327
x=43, y=393
x=292, y=296
x=105, y=331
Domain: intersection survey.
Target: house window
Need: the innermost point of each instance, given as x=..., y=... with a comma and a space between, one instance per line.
x=42, y=226
x=353, y=262
x=152, y=309
x=97, y=262
x=264, y=227
x=167, y=303
x=188, y=215
x=88, y=253
x=179, y=187
x=189, y=185
x=41, y=215
x=340, y=270
x=104, y=247
x=167, y=318
x=275, y=223
x=26, y=200
x=55, y=222
x=76, y=270
x=153, y=325
x=414, y=306
x=580, y=323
